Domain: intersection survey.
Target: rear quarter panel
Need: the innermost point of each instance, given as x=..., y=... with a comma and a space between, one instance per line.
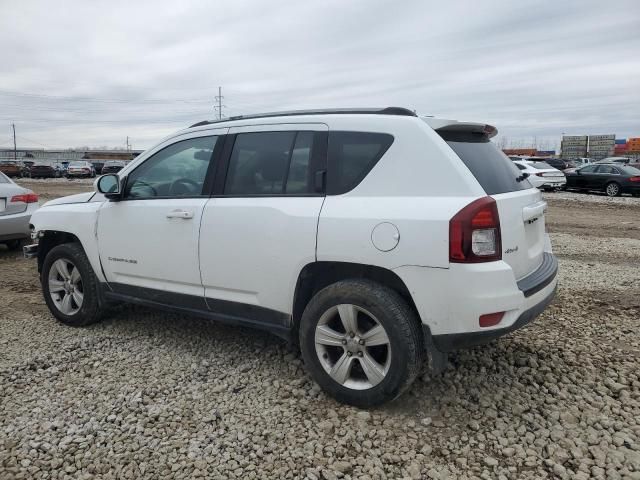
x=418, y=185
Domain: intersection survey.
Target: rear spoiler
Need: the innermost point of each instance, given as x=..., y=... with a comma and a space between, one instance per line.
x=442, y=125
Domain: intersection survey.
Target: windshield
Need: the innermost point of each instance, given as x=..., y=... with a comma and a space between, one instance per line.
x=4, y=178
x=78, y=164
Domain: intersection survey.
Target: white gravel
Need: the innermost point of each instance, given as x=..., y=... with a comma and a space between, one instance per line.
x=154, y=395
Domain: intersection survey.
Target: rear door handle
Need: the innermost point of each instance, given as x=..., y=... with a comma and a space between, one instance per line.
x=180, y=214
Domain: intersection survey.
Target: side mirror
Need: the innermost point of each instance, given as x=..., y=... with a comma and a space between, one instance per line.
x=109, y=186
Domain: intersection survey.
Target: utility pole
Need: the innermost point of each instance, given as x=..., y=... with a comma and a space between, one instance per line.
x=128, y=144
x=15, y=150
x=218, y=107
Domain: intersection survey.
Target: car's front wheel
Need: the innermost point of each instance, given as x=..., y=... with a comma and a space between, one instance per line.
x=361, y=342
x=69, y=285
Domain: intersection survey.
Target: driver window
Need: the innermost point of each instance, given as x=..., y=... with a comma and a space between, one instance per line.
x=178, y=170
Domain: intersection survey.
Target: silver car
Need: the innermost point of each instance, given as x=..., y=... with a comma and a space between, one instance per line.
x=16, y=206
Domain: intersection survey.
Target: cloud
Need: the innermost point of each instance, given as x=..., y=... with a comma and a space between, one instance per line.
x=91, y=73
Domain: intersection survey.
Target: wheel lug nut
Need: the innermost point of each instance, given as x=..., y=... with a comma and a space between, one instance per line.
x=352, y=334
x=349, y=354
x=359, y=354
x=361, y=342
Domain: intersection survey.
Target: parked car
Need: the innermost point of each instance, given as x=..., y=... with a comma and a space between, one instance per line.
x=13, y=168
x=43, y=170
x=542, y=175
x=580, y=162
x=61, y=168
x=112, y=166
x=371, y=237
x=612, y=178
x=622, y=160
x=17, y=204
x=559, y=163
x=80, y=168
x=98, y=165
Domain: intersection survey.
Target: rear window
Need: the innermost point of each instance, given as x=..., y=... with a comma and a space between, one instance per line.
x=630, y=170
x=494, y=171
x=351, y=156
x=541, y=165
x=3, y=178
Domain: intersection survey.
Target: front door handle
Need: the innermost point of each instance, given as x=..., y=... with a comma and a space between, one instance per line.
x=180, y=214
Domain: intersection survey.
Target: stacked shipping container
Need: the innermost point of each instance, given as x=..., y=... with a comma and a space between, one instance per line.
x=573, y=146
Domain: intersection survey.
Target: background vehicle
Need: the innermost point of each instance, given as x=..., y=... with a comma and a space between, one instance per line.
x=621, y=160
x=13, y=169
x=16, y=206
x=80, y=169
x=349, y=231
x=559, y=163
x=44, y=170
x=613, y=179
x=97, y=165
x=542, y=175
x=112, y=166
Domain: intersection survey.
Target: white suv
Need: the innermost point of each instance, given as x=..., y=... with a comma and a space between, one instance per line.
x=375, y=238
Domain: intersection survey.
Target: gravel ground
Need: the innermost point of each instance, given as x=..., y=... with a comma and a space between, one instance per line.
x=154, y=395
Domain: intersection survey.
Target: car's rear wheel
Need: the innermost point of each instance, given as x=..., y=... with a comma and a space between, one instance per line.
x=69, y=285
x=361, y=342
x=613, y=189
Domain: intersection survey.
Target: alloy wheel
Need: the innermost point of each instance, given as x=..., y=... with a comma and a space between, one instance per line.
x=353, y=347
x=613, y=189
x=65, y=286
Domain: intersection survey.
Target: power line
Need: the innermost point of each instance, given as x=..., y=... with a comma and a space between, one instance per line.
x=101, y=100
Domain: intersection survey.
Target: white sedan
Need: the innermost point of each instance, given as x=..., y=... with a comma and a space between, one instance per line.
x=542, y=175
x=16, y=206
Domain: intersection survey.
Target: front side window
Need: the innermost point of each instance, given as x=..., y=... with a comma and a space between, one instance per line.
x=270, y=163
x=178, y=170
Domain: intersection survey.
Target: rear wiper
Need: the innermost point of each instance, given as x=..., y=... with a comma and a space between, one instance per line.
x=522, y=177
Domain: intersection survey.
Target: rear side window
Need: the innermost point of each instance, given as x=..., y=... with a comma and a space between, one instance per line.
x=351, y=156
x=494, y=171
x=270, y=163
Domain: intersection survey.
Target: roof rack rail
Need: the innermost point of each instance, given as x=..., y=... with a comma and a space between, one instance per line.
x=327, y=111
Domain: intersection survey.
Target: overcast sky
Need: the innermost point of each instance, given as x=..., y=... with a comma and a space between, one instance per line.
x=76, y=73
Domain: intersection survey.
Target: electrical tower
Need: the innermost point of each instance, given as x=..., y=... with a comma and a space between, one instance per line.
x=15, y=150
x=219, y=105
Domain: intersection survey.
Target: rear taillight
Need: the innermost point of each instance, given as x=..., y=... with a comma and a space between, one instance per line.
x=634, y=179
x=25, y=198
x=474, y=233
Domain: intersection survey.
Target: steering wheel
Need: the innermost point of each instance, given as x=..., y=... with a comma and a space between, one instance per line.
x=184, y=181
x=144, y=184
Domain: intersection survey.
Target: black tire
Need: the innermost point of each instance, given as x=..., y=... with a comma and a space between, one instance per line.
x=612, y=189
x=90, y=311
x=400, y=323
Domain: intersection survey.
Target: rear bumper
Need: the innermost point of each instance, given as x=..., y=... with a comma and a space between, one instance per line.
x=451, y=301
x=456, y=341
x=13, y=227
